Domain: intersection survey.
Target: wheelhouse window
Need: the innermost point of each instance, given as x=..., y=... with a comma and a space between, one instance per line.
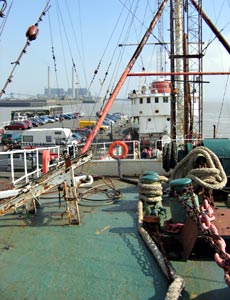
x=165, y=99
x=141, y=100
x=156, y=100
x=148, y=100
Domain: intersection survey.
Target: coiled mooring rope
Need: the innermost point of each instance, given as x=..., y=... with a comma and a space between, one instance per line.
x=211, y=177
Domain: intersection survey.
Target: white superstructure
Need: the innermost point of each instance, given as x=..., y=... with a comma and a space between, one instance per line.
x=151, y=110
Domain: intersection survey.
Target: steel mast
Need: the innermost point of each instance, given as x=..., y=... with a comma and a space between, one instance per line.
x=186, y=57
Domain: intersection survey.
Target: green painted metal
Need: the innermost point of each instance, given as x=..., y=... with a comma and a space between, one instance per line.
x=150, y=173
x=43, y=258
x=149, y=178
x=221, y=147
x=180, y=183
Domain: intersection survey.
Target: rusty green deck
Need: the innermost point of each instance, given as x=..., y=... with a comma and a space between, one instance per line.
x=43, y=258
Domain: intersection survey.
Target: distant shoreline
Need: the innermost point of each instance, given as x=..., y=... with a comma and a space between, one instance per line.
x=45, y=102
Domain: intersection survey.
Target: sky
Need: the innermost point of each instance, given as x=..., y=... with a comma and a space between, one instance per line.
x=86, y=33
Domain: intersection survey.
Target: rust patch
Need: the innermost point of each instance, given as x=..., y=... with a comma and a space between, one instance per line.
x=222, y=221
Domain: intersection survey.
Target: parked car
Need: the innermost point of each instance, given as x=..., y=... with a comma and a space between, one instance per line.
x=35, y=122
x=50, y=119
x=16, y=126
x=44, y=119
x=121, y=116
x=112, y=117
x=68, y=116
x=79, y=114
x=41, y=121
x=54, y=117
x=29, y=123
x=107, y=122
x=78, y=137
x=83, y=131
x=11, y=138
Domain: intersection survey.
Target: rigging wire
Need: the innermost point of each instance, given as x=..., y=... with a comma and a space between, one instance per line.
x=63, y=27
x=141, y=22
x=3, y=8
x=73, y=63
x=222, y=103
x=61, y=24
x=82, y=58
x=110, y=63
x=53, y=53
x=212, y=39
x=205, y=50
x=131, y=12
x=5, y=17
x=112, y=56
x=145, y=27
x=55, y=65
x=63, y=34
x=28, y=41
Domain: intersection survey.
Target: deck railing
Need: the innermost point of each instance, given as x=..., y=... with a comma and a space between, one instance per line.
x=22, y=165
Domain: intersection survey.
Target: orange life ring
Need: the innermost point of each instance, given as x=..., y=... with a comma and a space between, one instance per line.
x=45, y=161
x=114, y=145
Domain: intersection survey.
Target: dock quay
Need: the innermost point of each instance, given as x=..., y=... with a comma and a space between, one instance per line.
x=114, y=132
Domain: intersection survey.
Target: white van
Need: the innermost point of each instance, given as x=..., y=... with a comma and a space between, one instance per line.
x=40, y=137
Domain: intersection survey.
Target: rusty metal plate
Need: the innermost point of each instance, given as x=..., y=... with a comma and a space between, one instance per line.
x=222, y=221
x=188, y=237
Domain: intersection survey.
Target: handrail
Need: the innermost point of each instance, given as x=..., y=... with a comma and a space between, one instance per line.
x=23, y=154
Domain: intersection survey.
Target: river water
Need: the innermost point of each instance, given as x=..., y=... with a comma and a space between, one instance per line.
x=212, y=115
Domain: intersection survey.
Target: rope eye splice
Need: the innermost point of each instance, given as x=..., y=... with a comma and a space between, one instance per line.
x=32, y=32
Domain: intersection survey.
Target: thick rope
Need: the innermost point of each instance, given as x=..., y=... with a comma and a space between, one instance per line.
x=210, y=177
x=176, y=287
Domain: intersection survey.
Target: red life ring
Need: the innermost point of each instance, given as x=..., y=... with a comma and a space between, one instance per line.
x=45, y=161
x=114, y=145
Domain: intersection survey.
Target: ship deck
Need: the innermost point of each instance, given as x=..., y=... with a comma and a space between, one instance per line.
x=45, y=258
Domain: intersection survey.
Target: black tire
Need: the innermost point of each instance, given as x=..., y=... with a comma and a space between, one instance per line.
x=166, y=156
x=173, y=158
